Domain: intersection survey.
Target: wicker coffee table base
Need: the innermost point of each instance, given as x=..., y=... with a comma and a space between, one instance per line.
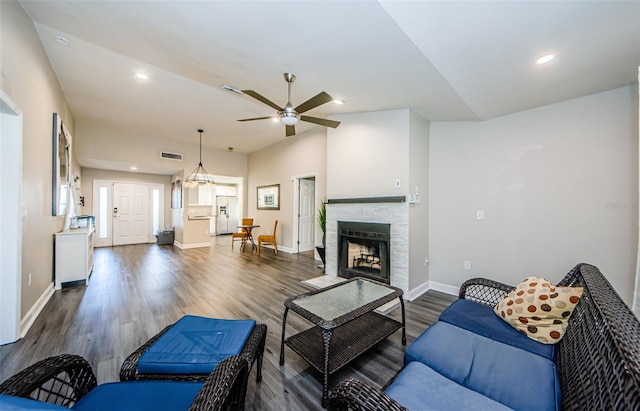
x=329, y=348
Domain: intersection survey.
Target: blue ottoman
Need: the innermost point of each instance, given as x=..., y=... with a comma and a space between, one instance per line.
x=190, y=349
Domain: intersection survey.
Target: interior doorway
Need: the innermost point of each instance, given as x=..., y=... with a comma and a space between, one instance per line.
x=304, y=209
x=10, y=219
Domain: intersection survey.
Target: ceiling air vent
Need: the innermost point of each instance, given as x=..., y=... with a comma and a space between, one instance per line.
x=171, y=156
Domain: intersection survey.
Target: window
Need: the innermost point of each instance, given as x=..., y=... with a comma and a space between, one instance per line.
x=103, y=219
x=155, y=210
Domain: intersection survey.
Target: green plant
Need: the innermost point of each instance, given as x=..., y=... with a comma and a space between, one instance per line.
x=322, y=216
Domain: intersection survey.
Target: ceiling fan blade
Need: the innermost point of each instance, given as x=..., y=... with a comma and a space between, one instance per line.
x=322, y=121
x=257, y=118
x=262, y=99
x=314, y=102
x=290, y=131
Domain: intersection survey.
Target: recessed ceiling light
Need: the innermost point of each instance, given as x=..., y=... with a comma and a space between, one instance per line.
x=62, y=40
x=338, y=101
x=142, y=76
x=133, y=168
x=545, y=59
x=275, y=119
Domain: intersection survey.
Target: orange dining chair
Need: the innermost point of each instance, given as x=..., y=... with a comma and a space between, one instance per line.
x=268, y=239
x=242, y=234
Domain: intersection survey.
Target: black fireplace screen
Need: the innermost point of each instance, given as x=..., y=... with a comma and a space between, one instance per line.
x=363, y=250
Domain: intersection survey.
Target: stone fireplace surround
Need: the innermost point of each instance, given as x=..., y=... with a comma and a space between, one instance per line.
x=386, y=210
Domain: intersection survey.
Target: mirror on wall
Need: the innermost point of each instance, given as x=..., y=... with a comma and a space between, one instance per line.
x=61, y=166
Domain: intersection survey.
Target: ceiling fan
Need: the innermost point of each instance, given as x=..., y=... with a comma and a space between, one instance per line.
x=288, y=115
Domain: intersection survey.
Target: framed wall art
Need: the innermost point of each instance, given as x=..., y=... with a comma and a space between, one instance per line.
x=269, y=197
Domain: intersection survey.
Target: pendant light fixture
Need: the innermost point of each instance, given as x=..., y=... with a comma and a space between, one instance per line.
x=199, y=175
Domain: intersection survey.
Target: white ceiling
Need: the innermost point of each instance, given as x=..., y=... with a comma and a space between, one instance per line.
x=447, y=60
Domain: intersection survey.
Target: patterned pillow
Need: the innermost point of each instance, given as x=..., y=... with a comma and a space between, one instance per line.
x=539, y=309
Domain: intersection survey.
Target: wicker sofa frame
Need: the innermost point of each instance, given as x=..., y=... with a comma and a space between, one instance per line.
x=253, y=351
x=598, y=360
x=65, y=379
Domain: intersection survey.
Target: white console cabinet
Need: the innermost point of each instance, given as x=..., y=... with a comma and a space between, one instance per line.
x=74, y=256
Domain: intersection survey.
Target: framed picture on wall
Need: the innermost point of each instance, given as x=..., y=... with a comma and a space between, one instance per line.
x=269, y=197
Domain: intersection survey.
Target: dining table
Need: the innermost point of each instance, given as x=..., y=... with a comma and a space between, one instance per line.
x=248, y=228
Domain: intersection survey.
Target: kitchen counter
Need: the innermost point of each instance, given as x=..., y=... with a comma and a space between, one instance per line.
x=201, y=217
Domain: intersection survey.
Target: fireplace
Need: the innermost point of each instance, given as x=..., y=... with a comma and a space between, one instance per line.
x=363, y=250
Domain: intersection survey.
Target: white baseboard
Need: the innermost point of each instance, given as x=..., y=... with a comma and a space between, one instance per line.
x=418, y=291
x=287, y=250
x=432, y=285
x=34, y=311
x=444, y=288
x=194, y=245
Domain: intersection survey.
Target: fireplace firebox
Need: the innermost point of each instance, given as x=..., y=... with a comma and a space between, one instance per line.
x=363, y=250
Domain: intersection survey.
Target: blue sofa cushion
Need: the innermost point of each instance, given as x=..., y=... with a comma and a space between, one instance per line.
x=418, y=387
x=11, y=403
x=195, y=345
x=140, y=395
x=481, y=319
x=517, y=378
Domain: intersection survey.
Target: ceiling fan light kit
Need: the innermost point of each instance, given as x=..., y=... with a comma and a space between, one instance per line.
x=289, y=119
x=290, y=116
x=199, y=176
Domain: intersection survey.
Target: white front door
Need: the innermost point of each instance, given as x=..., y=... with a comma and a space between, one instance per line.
x=306, y=219
x=130, y=213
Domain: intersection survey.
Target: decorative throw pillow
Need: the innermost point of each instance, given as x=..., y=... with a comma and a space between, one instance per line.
x=539, y=309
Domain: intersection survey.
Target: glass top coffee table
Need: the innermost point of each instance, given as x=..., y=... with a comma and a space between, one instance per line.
x=345, y=324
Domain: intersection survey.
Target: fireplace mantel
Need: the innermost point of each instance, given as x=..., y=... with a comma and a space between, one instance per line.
x=368, y=200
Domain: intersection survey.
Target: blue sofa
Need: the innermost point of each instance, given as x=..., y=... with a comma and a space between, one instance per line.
x=470, y=359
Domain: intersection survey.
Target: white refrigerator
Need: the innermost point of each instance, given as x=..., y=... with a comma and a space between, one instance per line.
x=226, y=215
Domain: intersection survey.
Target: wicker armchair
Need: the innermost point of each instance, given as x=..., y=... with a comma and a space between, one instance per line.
x=65, y=379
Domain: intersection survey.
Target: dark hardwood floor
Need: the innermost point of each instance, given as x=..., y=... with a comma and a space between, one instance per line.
x=137, y=290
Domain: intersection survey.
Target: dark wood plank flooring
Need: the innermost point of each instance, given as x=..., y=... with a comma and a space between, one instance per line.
x=137, y=290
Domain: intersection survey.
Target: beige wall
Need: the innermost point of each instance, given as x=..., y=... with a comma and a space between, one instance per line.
x=302, y=155
x=29, y=80
x=558, y=186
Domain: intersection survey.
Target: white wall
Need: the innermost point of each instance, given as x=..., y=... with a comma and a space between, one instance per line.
x=368, y=152
x=418, y=212
x=10, y=219
x=302, y=155
x=636, y=295
x=557, y=185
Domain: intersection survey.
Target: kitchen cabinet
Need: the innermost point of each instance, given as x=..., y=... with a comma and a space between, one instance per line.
x=74, y=256
x=201, y=195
